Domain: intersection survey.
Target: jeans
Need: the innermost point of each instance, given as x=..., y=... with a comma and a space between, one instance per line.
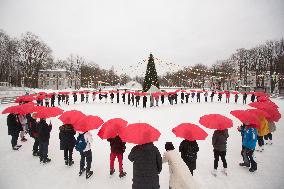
x=36, y=145
x=268, y=136
x=260, y=140
x=222, y=154
x=66, y=156
x=248, y=157
x=43, y=149
x=86, y=156
x=14, y=140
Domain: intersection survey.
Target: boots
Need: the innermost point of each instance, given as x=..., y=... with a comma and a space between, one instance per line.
x=122, y=174
x=82, y=171
x=66, y=162
x=225, y=172
x=35, y=153
x=214, y=172
x=89, y=174
x=46, y=160
x=71, y=162
x=112, y=171
x=244, y=164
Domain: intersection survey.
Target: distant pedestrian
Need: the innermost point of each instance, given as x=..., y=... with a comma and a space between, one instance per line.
x=144, y=101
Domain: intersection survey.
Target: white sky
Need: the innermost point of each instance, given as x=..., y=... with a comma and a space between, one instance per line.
x=124, y=32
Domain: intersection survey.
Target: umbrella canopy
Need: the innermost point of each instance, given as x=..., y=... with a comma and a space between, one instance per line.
x=263, y=105
x=199, y=91
x=25, y=99
x=216, y=121
x=189, y=132
x=235, y=92
x=11, y=110
x=263, y=99
x=49, y=112
x=139, y=133
x=259, y=94
x=88, y=123
x=246, y=117
x=193, y=91
x=28, y=108
x=40, y=97
x=42, y=93
x=71, y=117
x=111, y=128
x=259, y=112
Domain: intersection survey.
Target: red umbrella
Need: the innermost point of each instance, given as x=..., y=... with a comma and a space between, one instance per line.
x=199, y=91
x=246, y=117
x=263, y=99
x=183, y=91
x=177, y=90
x=27, y=108
x=24, y=99
x=216, y=121
x=88, y=123
x=71, y=117
x=40, y=97
x=190, y=132
x=42, y=93
x=263, y=105
x=111, y=128
x=259, y=112
x=49, y=112
x=260, y=94
x=235, y=92
x=139, y=133
x=193, y=91
x=221, y=92
x=11, y=109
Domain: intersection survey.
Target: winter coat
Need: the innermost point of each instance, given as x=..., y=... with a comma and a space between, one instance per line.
x=14, y=126
x=188, y=150
x=116, y=145
x=206, y=94
x=111, y=95
x=180, y=176
x=263, y=129
x=66, y=136
x=33, y=128
x=182, y=95
x=252, y=98
x=250, y=138
x=192, y=95
x=198, y=95
x=44, y=131
x=245, y=96
x=228, y=95
x=147, y=165
x=219, y=140
x=212, y=94
x=271, y=126
x=137, y=98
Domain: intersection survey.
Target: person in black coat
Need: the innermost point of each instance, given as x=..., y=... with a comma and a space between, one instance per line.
x=147, y=165
x=144, y=101
x=117, y=148
x=198, y=97
x=162, y=99
x=252, y=98
x=188, y=150
x=219, y=142
x=14, y=128
x=132, y=99
x=58, y=99
x=245, y=98
x=75, y=97
x=67, y=142
x=33, y=131
x=176, y=97
x=43, y=135
x=186, y=97
x=111, y=97
x=129, y=98
x=137, y=99
x=52, y=100
x=123, y=98
x=182, y=97
x=117, y=96
x=212, y=95
x=82, y=97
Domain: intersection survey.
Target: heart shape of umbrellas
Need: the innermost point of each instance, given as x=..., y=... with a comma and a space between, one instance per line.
x=112, y=128
x=189, y=132
x=139, y=133
x=216, y=121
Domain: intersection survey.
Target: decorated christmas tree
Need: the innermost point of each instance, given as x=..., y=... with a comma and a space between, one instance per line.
x=151, y=77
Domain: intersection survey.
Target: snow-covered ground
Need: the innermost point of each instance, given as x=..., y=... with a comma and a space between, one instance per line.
x=19, y=169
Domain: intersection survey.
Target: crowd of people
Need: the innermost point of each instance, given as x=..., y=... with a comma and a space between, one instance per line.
x=146, y=158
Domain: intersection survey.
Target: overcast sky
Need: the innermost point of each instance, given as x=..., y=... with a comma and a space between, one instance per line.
x=124, y=32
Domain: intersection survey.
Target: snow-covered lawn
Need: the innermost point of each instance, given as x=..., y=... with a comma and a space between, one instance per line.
x=19, y=169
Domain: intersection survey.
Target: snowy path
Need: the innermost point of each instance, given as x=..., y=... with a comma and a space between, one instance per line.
x=19, y=169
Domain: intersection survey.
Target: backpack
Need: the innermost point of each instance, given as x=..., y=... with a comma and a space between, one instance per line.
x=81, y=143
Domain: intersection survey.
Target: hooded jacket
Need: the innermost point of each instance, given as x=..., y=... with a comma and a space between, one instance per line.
x=219, y=140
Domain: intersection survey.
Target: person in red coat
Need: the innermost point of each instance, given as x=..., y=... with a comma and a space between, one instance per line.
x=117, y=149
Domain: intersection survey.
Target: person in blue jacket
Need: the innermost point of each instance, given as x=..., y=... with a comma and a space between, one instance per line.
x=249, y=143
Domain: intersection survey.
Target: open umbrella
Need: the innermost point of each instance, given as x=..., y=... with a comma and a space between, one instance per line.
x=246, y=117
x=263, y=105
x=259, y=112
x=235, y=92
x=199, y=91
x=11, y=110
x=111, y=128
x=42, y=93
x=88, y=123
x=139, y=133
x=71, y=117
x=260, y=94
x=190, y=132
x=25, y=98
x=216, y=121
x=49, y=112
x=193, y=91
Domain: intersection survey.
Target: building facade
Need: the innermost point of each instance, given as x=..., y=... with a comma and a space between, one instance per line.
x=58, y=79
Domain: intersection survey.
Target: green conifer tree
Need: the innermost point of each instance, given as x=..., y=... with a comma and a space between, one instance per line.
x=151, y=77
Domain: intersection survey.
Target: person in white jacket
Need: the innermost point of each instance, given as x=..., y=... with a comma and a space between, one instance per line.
x=86, y=154
x=180, y=176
